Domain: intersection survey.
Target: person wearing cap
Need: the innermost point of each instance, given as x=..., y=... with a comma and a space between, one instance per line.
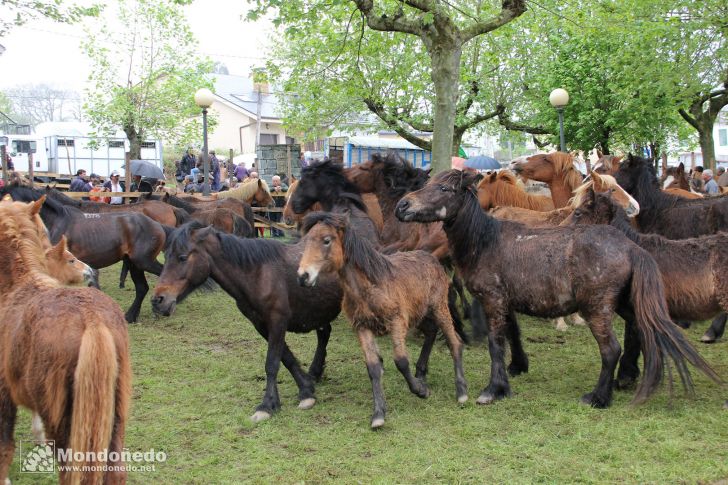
x=711, y=187
x=114, y=185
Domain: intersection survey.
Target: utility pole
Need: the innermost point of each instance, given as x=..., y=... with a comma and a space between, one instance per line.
x=258, y=87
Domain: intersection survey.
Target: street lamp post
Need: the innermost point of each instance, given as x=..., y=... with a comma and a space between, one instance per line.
x=559, y=98
x=203, y=99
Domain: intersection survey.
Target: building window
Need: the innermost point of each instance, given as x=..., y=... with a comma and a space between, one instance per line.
x=723, y=137
x=290, y=140
x=149, y=144
x=22, y=146
x=65, y=142
x=268, y=139
x=116, y=144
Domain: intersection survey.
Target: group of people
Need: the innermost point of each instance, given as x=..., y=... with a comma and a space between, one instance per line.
x=93, y=183
x=703, y=181
x=190, y=171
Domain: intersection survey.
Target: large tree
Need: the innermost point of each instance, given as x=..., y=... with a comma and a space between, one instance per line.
x=442, y=29
x=144, y=75
x=36, y=103
x=22, y=11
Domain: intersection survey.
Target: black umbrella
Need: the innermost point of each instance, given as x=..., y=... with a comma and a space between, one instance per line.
x=482, y=162
x=145, y=169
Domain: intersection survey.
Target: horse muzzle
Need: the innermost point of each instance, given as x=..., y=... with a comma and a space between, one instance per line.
x=306, y=279
x=163, y=305
x=403, y=211
x=91, y=277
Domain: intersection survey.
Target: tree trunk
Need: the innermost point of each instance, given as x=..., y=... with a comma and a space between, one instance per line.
x=707, y=145
x=135, y=143
x=446, y=78
x=457, y=140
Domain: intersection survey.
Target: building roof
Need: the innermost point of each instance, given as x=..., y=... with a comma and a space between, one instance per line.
x=239, y=92
x=377, y=142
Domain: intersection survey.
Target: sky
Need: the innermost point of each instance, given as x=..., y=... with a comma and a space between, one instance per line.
x=47, y=52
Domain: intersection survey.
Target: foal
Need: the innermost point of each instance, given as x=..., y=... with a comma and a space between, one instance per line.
x=383, y=294
x=74, y=371
x=554, y=272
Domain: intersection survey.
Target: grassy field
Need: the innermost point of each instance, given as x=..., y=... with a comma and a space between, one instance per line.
x=200, y=373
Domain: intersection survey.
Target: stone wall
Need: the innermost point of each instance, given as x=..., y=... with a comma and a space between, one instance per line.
x=273, y=159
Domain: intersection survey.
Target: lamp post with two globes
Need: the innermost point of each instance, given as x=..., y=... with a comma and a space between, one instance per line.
x=203, y=99
x=559, y=98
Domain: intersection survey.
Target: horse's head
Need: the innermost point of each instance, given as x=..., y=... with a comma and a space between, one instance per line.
x=322, y=182
x=362, y=175
x=607, y=164
x=675, y=178
x=597, y=201
x=493, y=183
x=262, y=197
x=324, y=239
x=187, y=265
x=636, y=173
x=439, y=200
x=606, y=184
x=66, y=268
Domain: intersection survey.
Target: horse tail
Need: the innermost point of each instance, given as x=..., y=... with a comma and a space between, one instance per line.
x=180, y=215
x=660, y=337
x=94, y=389
x=455, y=314
x=241, y=228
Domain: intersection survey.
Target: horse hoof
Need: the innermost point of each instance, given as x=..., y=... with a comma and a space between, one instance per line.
x=486, y=399
x=424, y=393
x=707, y=339
x=561, y=325
x=307, y=403
x=625, y=383
x=259, y=416
x=462, y=399
x=591, y=400
x=377, y=423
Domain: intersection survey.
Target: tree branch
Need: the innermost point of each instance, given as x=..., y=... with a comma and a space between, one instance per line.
x=513, y=126
x=393, y=123
x=476, y=120
x=387, y=24
x=510, y=9
x=692, y=121
x=424, y=5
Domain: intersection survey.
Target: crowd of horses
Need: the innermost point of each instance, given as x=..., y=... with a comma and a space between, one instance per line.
x=390, y=245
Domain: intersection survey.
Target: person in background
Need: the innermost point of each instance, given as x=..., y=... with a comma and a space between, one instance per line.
x=187, y=163
x=96, y=186
x=9, y=162
x=722, y=177
x=115, y=185
x=696, y=180
x=215, y=172
x=277, y=188
x=711, y=186
x=80, y=182
x=241, y=173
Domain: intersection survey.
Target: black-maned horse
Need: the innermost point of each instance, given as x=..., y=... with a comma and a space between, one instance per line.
x=325, y=182
x=693, y=272
x=551, y=272
x=101, y=240
x=260, y=275
x=665, y=214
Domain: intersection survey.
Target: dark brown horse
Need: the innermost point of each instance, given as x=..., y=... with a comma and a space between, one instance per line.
x=668, y=215
x=101, y=240
x=693, y=272
x=64, y=355
x=595, y=270
x=260, y=274
x=383, y=294
x=675, y=181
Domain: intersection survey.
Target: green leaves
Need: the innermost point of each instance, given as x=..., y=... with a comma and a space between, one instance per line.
x=25, y=10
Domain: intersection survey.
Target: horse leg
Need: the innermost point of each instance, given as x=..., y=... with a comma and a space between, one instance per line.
x=601, y=328
x=141, y=288
x=428, y=328
x=628, y=370
x=401, y=359
x=456, y=350
x=498, y=387
x=319, y=357
x=375, y=369
x=716, y=329
x=460, y=289
x=271, y=400
x=455, y=314
x=478, y=320
x=519, y=359
x=124, y=271
x=8, y=413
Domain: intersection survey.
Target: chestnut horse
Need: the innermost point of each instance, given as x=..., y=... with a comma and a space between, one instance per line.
x=595, y=270
x=254, y=192
x=675, y=181
x=74, y=371
x=668, y=215
x=101, y=240
x=224, y=220
x=556, y=169
x=260, y=275
x=693, y=270
x=383, y=295
x=501, y=189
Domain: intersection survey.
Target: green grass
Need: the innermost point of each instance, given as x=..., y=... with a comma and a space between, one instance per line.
x=199, y=374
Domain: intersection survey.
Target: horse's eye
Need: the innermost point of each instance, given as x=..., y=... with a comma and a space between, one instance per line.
x=577, y=212
x=72, y=261
x=443, y=188
x=327, y=240
x=182, y=257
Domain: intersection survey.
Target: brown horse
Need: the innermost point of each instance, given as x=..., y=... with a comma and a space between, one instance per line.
x=556, y=169
x=224, y=220
x=607, y=164
x=501, y=189
x=101, y=240
x=260, y=275
x=693, y=270
x=383, y=294
x=67, y=268
x=254, y=192
x=595, y=270
x=675, y=181
x=668, y=215
x=73, y=371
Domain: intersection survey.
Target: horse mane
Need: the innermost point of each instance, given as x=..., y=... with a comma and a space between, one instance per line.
x=244, y=190
x=564, y=164
x=247, y=254
x=175, y=201
x=330, y=177
x=506, y=191
x=27, y=194
x=581, y=191
x=473, y=230
x=63, y=198
x=399, y=175
x=20, y=233
x=357, y=250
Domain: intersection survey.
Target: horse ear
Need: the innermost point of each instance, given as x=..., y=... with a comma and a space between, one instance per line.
x=58, y=250
x=599, y=153
x=599, y=184
x=468, y=179
x=35, y=206
x=493, y=176
x=681, y=168
x=204, y=233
